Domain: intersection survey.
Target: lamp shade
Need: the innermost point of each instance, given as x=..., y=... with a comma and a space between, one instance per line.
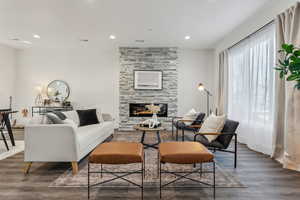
x=201, y=87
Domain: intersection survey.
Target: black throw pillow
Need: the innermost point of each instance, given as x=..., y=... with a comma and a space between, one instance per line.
x=87, y=117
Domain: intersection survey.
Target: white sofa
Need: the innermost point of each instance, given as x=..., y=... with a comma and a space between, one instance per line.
x=63, y=142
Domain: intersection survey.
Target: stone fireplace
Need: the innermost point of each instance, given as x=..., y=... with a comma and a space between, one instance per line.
x=131, y=59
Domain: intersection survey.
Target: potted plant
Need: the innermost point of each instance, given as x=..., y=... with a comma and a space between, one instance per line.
x=289, y=66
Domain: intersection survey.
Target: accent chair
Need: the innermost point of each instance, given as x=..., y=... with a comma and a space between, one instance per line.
x=222, y=142
x=179, y=124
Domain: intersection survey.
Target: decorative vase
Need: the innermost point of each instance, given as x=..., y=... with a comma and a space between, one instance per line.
x=39, y=100
x=154, y=118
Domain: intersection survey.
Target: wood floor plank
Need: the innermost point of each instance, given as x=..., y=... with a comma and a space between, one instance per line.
x=265, y=180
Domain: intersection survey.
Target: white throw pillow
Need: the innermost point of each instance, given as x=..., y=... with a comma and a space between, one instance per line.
x=70, y=122
x=99, y=115
x=73, y=115
x=191, y=115
x=213, y=124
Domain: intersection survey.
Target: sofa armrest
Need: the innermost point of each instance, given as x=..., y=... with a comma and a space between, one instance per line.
x=51, y=143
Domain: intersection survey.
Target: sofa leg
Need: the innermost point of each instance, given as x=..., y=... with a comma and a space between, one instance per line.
x=74, y=167
x=27, y=167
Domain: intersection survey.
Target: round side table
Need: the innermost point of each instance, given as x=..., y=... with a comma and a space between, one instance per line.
x=144, y=130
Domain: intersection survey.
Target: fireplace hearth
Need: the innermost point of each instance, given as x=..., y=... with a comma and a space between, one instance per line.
x=141, y=110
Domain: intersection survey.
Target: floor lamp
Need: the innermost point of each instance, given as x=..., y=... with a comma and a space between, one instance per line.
x=208, y=94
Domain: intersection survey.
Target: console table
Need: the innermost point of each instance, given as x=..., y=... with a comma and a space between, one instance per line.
x=41, y=110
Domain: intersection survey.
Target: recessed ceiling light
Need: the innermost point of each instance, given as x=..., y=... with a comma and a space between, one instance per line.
x=112, y=37
x=83, y=40
x=187, y=37
x=26, y=42
x=36, y=36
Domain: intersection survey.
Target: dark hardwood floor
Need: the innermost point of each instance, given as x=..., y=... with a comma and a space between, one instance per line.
x=265, y=180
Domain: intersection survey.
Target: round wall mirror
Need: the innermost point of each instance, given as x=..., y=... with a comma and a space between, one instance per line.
x=58, y=91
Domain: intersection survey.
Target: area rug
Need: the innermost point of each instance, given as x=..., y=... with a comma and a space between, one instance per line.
x=224, y=179
x=12, y=149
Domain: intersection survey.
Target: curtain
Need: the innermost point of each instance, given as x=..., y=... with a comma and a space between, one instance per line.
x=287, y=116
x=222, y=82
x=251, y=89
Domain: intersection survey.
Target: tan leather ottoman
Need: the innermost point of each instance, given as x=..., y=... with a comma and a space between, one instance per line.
x=184, y=153
x=118, y=153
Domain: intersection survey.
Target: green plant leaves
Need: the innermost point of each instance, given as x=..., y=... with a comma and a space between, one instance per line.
x=281, y=74
x=293, y=77
x=294, y=67
x=297, y=53
x=297, y=86
x=290, y=64
x=288, y=48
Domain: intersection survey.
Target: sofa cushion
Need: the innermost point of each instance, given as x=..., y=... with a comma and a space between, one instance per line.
x=70, y=122
x=88, y=134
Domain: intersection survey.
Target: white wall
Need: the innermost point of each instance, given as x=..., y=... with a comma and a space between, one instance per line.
x=259, y=19
x=91, y=73
x=195, y=66
x=7, y=74
x=93, y=76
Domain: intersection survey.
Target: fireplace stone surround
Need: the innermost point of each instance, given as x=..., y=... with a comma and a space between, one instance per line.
x=150, y=58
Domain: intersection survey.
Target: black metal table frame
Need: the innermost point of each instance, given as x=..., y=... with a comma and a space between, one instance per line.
x=121, y=176
x=146, y=145
x=6, y=123
x=185, y=176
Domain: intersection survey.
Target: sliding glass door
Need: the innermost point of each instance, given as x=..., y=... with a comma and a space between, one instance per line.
x=251, y=88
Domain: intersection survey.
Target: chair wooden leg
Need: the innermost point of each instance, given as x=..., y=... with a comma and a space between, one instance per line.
x=27, y=167
x=74, y=167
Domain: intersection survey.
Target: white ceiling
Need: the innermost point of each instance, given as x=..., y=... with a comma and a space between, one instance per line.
x=61, y=23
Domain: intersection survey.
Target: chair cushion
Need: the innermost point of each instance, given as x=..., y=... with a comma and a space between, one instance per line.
x=229, y=127
x=182, y=125
x=199, y=119
x=203, y=140
x=184, y=153
x=118, y=153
